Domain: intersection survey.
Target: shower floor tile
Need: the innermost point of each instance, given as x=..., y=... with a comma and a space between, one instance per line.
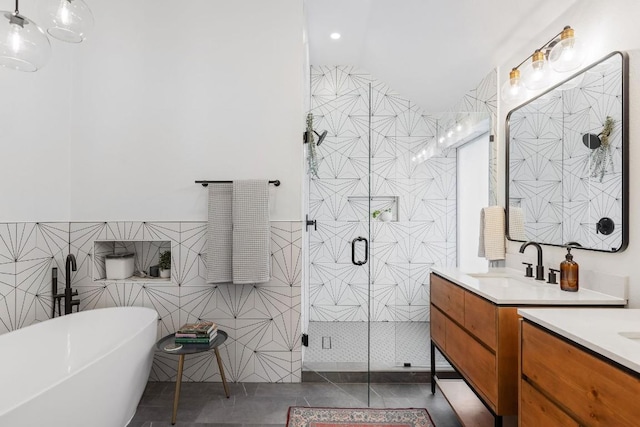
x=393, y=344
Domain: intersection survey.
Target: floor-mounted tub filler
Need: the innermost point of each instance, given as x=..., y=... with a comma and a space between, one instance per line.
x=84, y=369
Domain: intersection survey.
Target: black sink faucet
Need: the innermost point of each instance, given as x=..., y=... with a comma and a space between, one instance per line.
x=539, y=267
x=69, y=302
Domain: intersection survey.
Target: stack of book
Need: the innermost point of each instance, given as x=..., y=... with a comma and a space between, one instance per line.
x=201, y=332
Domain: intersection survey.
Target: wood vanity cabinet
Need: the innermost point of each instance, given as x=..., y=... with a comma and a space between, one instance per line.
x=563, y=384
x=480, y=339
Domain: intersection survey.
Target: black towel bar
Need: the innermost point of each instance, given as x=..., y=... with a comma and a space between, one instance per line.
x=275, y=182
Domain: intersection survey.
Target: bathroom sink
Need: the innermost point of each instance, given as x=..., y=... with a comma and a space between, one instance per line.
x=503, y=281
x=634, y=336
x=487, y=275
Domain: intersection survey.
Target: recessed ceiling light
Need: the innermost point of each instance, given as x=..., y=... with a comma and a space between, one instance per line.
x=335, y=36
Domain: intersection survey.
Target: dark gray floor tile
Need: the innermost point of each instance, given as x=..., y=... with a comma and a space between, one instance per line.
x=270, y=410
x=266, y=405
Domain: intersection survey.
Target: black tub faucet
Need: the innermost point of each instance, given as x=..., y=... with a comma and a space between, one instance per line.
x=69, y=302
x=539, y=267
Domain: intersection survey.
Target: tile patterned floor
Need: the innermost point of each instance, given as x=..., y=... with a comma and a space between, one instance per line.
x=261, y=404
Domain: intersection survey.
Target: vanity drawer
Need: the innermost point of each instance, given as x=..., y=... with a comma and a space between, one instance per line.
x=481, y=318
x=448, y=297
x=474, y=361
x=536, y=410
x=594, y=391
x=438, y=326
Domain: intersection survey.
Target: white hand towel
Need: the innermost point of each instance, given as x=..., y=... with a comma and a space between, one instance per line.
x=251, y=232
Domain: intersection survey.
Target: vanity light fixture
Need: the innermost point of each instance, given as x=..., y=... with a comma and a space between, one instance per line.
x=24, y=46
x=563, y=53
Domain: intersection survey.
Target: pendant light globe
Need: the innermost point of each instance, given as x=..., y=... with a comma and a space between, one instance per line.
x=513, y=90
x=568, y=54
x=67, y=20
x=537, y=73
x=23, y=45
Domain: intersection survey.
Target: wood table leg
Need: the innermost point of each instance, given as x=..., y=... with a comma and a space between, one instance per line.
x=224, y=380
x=176, y=398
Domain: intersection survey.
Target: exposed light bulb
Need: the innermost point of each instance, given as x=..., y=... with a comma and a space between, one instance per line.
x=537, y=74
x=15, y=39
x=459, y=127
x=334, y=36
x=64, y=15
x=568, y=53
x=449, y=133
x=513, y=89
x=441, y=140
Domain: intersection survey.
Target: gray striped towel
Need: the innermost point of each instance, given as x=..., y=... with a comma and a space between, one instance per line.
x=251, y=232
x=220, y=234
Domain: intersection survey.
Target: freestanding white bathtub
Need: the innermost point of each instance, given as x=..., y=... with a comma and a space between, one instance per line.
x=86, y=369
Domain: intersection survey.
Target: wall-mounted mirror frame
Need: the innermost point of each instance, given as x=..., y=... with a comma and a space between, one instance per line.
x=568, y=198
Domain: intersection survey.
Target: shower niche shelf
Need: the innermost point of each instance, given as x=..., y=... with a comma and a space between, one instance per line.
x=360, y=207
x=146, y=253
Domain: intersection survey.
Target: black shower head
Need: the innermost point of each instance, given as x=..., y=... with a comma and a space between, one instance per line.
x=321, y=137
x=306, y=137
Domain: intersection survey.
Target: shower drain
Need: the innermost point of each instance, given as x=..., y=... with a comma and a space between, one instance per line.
x=326, y=343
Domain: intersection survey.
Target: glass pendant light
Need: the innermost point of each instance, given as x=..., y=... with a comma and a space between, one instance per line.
x=568, y=53
x=537, y=74
x=67, y=20
x=23, y=45
x=513, y=90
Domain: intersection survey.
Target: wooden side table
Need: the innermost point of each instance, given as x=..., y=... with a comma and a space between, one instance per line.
x=192, y=349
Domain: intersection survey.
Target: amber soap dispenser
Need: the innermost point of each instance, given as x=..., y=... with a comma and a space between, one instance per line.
x=569, y=273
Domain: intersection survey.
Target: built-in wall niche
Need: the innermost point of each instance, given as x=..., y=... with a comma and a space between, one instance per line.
x=364, y=206
x=145, y=255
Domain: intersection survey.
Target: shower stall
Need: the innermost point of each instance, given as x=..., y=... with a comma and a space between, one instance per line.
x=366, y=303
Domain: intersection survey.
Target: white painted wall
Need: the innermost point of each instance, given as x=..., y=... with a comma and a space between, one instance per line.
x=162, y=94
x=34, y=136
x=605, y=27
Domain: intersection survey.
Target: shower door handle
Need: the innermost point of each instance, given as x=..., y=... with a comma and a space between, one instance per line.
x=353, y=251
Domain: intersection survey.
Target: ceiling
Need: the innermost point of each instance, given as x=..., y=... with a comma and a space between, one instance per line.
x=431, y=52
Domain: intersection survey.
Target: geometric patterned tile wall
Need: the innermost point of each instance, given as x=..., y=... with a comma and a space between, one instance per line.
x=550, y=169
x=262, y=321
x=422, y=196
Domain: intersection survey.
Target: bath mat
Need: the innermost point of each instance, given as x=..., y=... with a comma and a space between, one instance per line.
x=347, y=417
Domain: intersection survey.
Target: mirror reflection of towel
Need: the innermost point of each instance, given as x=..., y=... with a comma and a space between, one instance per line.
x=516, y=224
x=491, y=240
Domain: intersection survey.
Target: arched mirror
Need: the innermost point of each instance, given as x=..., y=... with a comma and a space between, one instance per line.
x=567, y=161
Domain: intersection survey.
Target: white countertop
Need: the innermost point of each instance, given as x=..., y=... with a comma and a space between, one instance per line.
x=601, y=333
x=506, y=286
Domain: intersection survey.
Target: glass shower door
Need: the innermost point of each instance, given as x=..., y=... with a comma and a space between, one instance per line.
x=340, y=248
